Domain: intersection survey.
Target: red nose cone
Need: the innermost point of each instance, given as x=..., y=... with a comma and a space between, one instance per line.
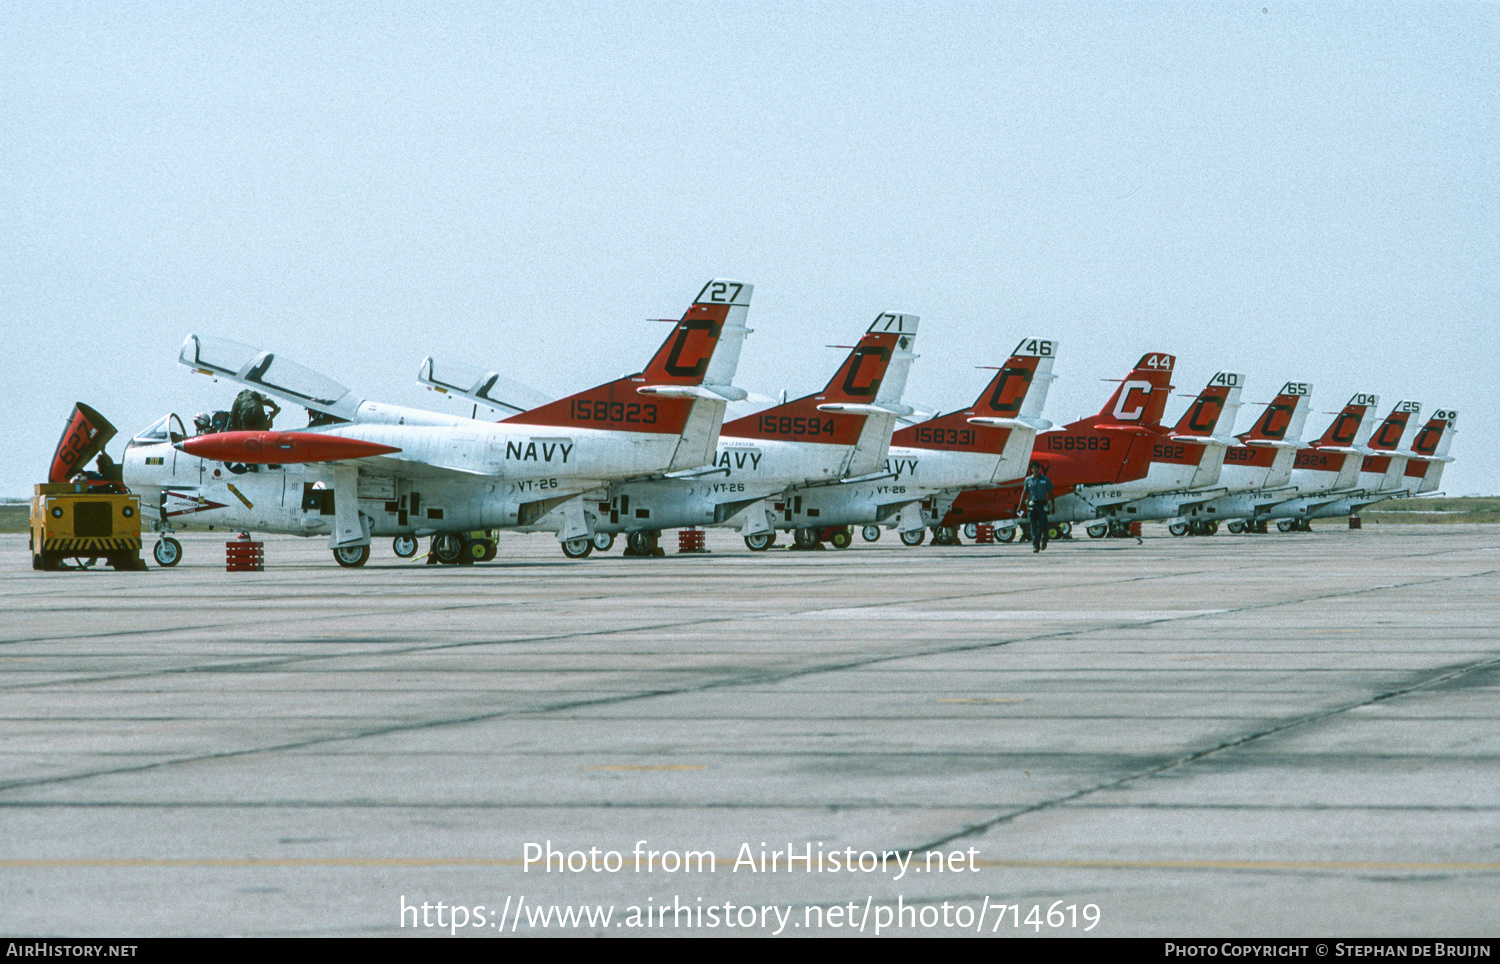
x=281, y=448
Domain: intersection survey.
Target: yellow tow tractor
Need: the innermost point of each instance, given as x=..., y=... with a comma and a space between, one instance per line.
x=85, y=516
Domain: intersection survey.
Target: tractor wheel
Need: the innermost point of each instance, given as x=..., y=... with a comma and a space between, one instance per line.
x=841, y=538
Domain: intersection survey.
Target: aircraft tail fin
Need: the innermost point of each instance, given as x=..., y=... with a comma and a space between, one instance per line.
x=1352, y=425
x=682, y=391
x=1212, y=414
x=838, y=414
x=1397, y=428
x=1284, y=417
x=1141, y=398
x=1436, y=436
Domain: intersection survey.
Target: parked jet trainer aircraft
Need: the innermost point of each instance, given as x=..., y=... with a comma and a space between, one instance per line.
x=1111, y=448
x=826, y=440
x=363, y=468
x=1253, y=470
x=1382, y=475
x=1186, y=462
x=1321, y=471
x=1424, y=473
x=928, y=464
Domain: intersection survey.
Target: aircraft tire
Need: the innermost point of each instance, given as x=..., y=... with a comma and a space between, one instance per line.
x=642, y=543
x=604, y=541
x=944, y=536
x=914, y=538
x=1006, y=535
x=167, y=552
x=870, y=533
x=760, y=541
x=971, y=530
x=404, y=546
x=1285, y=525
x=448, y=548
x=806, y=538
x=842, y=538
x=1053, y=532
x=1236, y=526
x=1102, y=529
x=352, y=557
x=1067, y=529
x=578, y=548
x=1211, y=527
x=491, y=550
x=475, y=550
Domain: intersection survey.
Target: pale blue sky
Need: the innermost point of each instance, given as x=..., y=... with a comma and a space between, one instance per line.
x=1303, y=191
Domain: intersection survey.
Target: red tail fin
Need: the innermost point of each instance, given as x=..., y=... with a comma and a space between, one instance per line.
x=1387, y=437
x=1015, y=387
x=857, y=382
x=1283, y=417
x=1142, y=396
x=1345, y=428
x=684, y=359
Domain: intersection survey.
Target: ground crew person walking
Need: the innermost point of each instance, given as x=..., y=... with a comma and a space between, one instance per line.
x=1036, y=490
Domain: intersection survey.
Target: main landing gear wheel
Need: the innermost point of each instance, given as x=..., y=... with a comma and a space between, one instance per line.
x=1236, y=526
x=352, y=557
x=604, y=541
x=448, y=548
x=641, y=543
x=841, y=538
x=760, y=541
x=944, y=536
x=1285, y=525
x=167, y=552
x=1066, y=529
x=806, y=538
x=578, y=548
x=1006, y=535
x=972, y=530
x=1176, y=528
x=870, y=533
x=404, y=546
x=914, y=538
x=1100, y=530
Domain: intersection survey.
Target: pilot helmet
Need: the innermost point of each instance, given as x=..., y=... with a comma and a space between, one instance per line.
x=201, y=422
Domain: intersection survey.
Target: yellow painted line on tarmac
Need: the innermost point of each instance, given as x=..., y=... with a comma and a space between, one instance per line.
x=1324, y=866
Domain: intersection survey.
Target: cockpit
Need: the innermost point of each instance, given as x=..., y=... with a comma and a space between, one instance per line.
x=158, y=431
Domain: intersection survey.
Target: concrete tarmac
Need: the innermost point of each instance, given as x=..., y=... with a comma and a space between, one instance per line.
x=1277, y=735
